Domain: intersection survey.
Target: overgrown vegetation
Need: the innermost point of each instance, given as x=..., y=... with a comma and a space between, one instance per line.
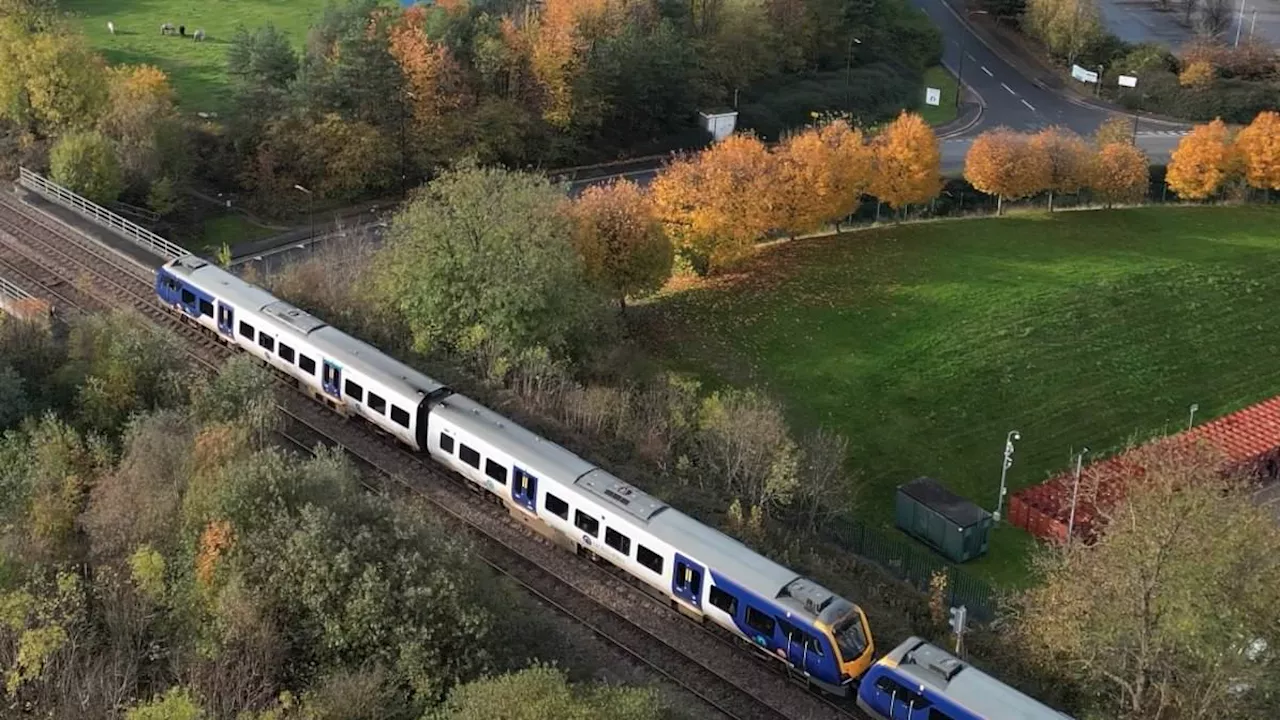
x=162, y=559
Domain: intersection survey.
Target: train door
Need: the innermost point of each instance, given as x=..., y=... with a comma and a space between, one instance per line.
x=800, y=652
x=331, y=378
x=226, y=319
x=901, y=702
x=686, y=581
x=524, y=490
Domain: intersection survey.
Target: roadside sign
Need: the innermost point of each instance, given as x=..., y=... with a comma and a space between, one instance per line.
x=933, y=96
x=1128, y=81
x=1083, y=75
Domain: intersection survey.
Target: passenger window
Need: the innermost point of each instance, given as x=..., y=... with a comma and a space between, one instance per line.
x=889, y=687
x=267, y=342
x=206, y=308
x=556, y=506
x=286, y=352
x=759, y=622
x=649, y=559
x=469, y=456
x=446, y=443
x=617, y=541
x=188, y=297
x=400, y=416
x=724, y=600
x=936, y=714
x=377, y=404
x=814, y=645
x=355, y=391
x=246, y=330
x=586, y=523
x=307, y=364
x=495, y=471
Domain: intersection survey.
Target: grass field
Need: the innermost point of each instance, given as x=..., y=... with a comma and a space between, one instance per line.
x=197, y=70
x=941, y=78
x=924, y=344
x=231, y=230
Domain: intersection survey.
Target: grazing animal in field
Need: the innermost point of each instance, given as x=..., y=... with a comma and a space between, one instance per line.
x=111, y=27
x=167, y=29
x=199, y=35
x=182, y=30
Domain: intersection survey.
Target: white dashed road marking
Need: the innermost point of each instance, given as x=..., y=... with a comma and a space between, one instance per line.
x=988, y=72
x=1029, y=106
x=1006, y=87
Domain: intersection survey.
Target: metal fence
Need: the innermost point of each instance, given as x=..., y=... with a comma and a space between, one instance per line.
x=913, y=564
x=136, y=234
x=9, y=291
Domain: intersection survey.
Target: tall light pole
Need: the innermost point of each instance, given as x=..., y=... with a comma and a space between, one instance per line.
x=311, y=210
x=1004, y=469
x=1191, y=419
x=1075, y=492
x=960, y=71
x=1239, y=23
x=848, y=77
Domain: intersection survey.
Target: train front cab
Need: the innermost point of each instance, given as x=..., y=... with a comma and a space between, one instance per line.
x=845, y=627
x=886, y=693
x=193, y=303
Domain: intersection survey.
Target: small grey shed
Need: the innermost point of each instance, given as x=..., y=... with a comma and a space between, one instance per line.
x=948, y=523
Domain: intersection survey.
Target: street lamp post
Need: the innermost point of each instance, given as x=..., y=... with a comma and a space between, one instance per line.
x=1004, y=469
x=960, y=70
x=1075, y=492
x=848, y=76
x=1191, y=419
x=311, y=210
x=1239, y=23
x=1097, y=89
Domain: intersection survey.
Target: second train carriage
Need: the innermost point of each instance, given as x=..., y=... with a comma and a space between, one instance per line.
x=820, y=635
x=921, y=681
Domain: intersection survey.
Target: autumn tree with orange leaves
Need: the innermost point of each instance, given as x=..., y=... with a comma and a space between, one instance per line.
x=433, y=77
x=1067, y=160
x=853, y=161
x=1203, y=161
x=1004, y=163
x=907, y=162
x=1120, y=174
x=623, y=247
x=716, y=204
x=1259, y=147
x=821, y=176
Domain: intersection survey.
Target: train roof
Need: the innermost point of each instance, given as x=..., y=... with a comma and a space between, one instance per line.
x=220, y=283
x=964, y=684
x=480, y=421
x=372, y=362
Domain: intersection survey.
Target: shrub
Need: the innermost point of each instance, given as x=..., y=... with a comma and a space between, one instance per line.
x=1198, y=74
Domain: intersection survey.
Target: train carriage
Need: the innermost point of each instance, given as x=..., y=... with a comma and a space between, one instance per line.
x=921, y=681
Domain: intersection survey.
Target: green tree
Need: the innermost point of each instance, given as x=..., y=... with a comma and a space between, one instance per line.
x=542, y=692
x=1156, y=619
x=86, y=162
x=1066, y=27
x=162, y=197
x=14, y=404
x=124, y=367
x=50, y=79
x=486, y=252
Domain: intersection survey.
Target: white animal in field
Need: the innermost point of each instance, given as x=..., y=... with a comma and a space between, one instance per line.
x=167, y=29
x=199, y=35
x=111, y=27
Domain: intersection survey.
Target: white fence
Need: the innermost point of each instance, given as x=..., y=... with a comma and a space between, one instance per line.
x=136, y=234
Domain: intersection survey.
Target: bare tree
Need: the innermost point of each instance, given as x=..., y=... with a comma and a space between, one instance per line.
x=1215, y=16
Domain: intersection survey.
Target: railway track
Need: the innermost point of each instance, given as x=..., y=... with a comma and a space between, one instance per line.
x=89, y=277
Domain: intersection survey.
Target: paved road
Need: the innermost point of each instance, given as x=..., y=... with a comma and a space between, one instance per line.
x=1157, y=145
x=1009, y=98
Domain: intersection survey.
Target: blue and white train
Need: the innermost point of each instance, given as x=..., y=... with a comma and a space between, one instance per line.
x=920, y=681
x=816, y=634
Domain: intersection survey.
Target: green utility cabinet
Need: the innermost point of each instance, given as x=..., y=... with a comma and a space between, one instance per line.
x=944, y=521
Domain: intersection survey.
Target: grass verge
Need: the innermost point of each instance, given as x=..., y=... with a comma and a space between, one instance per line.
x=925, y=344
x=941, y=78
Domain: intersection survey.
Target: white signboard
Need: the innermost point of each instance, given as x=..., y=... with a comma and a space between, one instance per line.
x=933, y=96
x=1087, y=76
x=1128, y=81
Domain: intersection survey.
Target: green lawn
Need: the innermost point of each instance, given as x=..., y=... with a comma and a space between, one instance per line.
x=941, y=78
x=197, y=70
x=924, y=344
x=229, y=229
